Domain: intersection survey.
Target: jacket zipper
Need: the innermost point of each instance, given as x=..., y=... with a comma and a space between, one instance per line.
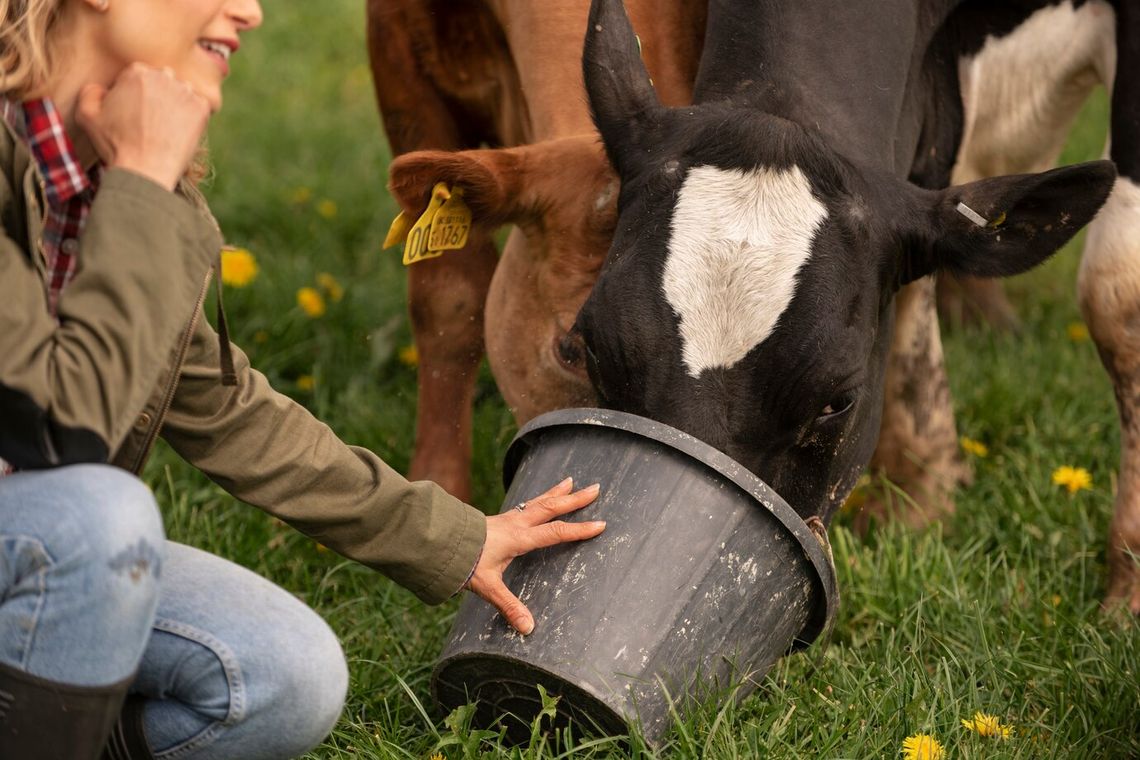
x=168, y=397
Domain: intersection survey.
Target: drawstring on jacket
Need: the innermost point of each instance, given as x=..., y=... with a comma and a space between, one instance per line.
x=229, y=375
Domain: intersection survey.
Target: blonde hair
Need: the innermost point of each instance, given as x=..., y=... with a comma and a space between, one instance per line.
x=25, y=51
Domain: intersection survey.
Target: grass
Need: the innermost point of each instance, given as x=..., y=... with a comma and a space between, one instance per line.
x=993, y=610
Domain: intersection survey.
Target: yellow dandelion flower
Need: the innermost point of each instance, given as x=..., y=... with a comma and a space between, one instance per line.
x=1073, y=478
x=977, y=448
x=261, y=336
x=238, y=267
x=1056, y=600
x=311, y=302
x=922, y=747
x=327, y=208
x=1078, y=331
x=330, y=285
x=985, y=724
x=300, y=195
x=409, y=356
x=437, y=756
x=305, y=383
x=322, y=548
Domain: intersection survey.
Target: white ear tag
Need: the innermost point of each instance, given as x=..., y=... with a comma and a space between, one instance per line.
x=972, y=215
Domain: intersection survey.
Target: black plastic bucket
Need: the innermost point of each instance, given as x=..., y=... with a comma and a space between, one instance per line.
x=702, y=579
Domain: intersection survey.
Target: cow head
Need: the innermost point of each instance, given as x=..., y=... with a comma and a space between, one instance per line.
x=747, y=295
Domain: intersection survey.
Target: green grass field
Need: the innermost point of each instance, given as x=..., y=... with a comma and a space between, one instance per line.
x=994, y=610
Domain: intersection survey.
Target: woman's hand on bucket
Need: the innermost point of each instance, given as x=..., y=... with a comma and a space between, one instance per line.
x=529, y=526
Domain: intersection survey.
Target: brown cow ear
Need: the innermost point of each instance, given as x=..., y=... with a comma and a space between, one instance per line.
x=505, y=185
x=491, y=181
x=1003, y=226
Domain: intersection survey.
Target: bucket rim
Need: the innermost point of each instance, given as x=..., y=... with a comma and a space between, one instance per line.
x=613, y=717
x=716, y=460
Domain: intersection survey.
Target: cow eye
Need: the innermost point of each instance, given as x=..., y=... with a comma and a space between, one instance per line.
x=836, y=407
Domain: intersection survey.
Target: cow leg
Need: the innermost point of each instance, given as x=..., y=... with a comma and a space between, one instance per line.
x=446, y=301
x=1109, y=293
x=1108, y=288
x=918, y=440
x=446, y=296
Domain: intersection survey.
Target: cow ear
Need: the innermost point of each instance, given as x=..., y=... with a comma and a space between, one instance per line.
x=622, y=98
x=510, y=185
x=1003, y=226
x=490, y=178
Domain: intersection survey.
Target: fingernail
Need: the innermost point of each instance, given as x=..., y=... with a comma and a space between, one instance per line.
x=595, y=487
x=567, y=482
x=599, y=524
x=526, y=626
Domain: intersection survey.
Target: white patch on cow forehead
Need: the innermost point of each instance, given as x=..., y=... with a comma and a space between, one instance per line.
x=738, y=240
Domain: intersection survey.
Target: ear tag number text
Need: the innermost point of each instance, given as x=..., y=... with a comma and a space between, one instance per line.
x=416, y=247
x=451, y=225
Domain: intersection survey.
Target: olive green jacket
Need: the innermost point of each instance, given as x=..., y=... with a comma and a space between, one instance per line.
x=131, y=357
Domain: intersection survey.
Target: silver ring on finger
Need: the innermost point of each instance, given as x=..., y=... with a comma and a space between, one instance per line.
x=520, y=506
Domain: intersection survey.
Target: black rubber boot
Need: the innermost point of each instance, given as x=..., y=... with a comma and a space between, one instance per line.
x=127, y=741
x=46, y=720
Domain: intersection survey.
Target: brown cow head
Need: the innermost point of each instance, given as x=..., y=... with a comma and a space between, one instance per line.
x=562, y=196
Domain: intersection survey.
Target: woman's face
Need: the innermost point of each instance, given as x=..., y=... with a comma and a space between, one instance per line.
x=194, y=38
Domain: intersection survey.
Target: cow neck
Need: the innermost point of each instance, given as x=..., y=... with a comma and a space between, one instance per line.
x=545, y=40
x=827, y=65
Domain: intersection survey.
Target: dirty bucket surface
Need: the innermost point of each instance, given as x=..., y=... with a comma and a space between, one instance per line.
x=702, y=579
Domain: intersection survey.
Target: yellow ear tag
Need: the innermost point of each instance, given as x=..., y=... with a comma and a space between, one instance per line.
x=451, y=224
x=999, y=221
x=398, y=232
x=416, y=247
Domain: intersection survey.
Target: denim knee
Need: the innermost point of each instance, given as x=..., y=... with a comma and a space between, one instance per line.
x=117, y=531
x=81, y=549
x=312, y=686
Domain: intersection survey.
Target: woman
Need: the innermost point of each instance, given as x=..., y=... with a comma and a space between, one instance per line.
x=104, y=263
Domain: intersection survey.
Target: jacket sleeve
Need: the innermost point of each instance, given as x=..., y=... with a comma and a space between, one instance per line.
x=270, y=452
x=69, y=389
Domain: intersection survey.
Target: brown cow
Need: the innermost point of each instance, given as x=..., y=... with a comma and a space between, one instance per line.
x=457, y=74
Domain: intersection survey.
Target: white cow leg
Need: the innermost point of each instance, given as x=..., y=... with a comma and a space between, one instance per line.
x=918, y=440
x=1109, y=292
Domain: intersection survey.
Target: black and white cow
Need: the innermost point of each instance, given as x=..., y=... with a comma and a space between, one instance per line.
x=749, y=296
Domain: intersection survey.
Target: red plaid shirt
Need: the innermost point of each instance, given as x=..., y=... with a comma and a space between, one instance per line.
x=68, y=190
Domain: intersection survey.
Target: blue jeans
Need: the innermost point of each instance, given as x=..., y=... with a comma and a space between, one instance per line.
x=231, y=665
